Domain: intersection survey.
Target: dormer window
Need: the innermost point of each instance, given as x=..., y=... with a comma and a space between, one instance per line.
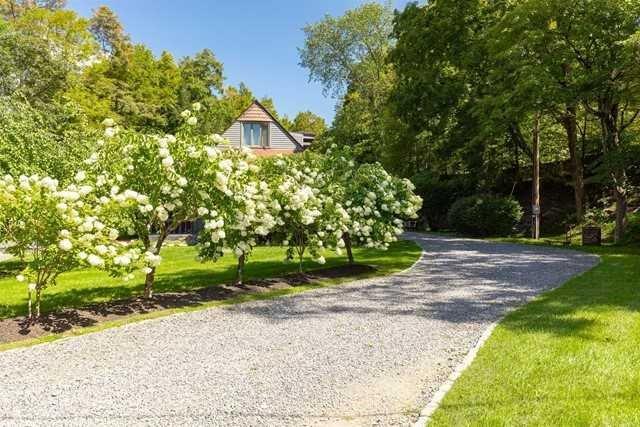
x=255, y=134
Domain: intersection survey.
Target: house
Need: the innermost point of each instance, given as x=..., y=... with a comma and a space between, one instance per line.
x=259, y=130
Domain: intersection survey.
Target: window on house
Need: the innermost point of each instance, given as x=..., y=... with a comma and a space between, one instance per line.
x=255, y=134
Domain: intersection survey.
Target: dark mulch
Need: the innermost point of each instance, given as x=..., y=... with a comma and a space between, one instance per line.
x=19, y=328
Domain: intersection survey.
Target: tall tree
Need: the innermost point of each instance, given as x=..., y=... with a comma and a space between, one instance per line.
x=306, y=121
x=600, y=38
x=347, y=55
x=108, y=30
x=13, y=9
x=350, y=49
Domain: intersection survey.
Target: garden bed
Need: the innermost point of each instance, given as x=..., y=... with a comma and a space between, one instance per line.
x=18, y=328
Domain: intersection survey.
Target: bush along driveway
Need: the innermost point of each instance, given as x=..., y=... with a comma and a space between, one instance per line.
x=370, y=352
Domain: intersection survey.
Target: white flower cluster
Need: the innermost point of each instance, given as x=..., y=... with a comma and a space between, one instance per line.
x=154, y=183
x=244, y=209
x=59, y=228
x=310, y=218
x=376, y=202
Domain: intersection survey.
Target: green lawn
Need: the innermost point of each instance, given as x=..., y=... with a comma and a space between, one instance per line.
x=571, y=357
x=180, y=271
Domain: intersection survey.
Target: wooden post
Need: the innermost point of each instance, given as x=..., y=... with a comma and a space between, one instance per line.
x=535, y=191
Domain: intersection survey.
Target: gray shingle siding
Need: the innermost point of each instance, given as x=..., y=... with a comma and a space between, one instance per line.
x=278, y=139
x=233, y=134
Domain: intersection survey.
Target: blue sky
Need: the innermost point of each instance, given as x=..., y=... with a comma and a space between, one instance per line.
x=256, y=40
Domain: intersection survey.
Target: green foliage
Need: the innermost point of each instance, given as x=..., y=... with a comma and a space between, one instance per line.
x=348, y=56
x=355, y=126
x=201, y=76
x=439, y=193
x=573, y=342
x=28, y=67
x=632, y=234
x=484, y=215
x=306, y=121
x=48, y=140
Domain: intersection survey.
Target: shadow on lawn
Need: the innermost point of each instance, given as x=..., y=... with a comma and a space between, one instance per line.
x=186, y=288
x=610, y=286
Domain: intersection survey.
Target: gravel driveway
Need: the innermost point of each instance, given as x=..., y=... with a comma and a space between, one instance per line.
x=367, y=353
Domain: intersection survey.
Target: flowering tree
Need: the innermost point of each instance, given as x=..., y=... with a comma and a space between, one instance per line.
x=152, y=184
x=240, y=209
x=377, y=202
x=310, y=219
x=53, y=230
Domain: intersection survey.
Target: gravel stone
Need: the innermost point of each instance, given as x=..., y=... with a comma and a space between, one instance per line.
x=371, y=352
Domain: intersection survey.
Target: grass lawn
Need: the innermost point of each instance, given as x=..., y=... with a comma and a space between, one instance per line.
x=180, y=271
x=570, y=357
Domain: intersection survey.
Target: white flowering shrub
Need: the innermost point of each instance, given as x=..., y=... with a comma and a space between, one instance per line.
x=53, y=230
x=310, y=219
x=240, y=209
x=377, y=203
x=151, y=184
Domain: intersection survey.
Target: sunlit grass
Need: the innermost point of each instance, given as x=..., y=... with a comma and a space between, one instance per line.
x=180, y=271
x=568, y=358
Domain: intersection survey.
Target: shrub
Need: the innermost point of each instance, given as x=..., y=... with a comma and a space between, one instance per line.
x=484, y=215
x=632, y=233
x=439, y=194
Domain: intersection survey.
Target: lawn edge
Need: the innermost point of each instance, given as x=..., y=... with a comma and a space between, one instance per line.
x=436, y=400
x=241, y=299
x=433, y=404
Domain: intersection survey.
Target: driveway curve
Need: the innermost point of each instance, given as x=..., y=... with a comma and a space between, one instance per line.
x=371, y=352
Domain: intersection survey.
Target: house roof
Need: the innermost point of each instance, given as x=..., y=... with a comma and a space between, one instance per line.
x=265, y=115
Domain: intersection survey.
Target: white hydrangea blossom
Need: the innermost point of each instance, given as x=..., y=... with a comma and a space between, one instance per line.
x=377, y=203
x=240, y=209
x=310, y=219
x=54, y=230
x=152, y=184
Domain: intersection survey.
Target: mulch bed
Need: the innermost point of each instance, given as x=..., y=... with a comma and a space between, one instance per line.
x=19, y=328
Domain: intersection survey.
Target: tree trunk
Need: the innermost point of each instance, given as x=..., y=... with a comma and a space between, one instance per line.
x=300, y=259
x=30, y=311
x=148, y=283
x=240, y=269
x=516, y=163
x=151, y=276
x=38, y=299
x=535, y=191
x=611, y=142
x=347, y=245
x=301, y=247
x=621, y=209
x=569, y=121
